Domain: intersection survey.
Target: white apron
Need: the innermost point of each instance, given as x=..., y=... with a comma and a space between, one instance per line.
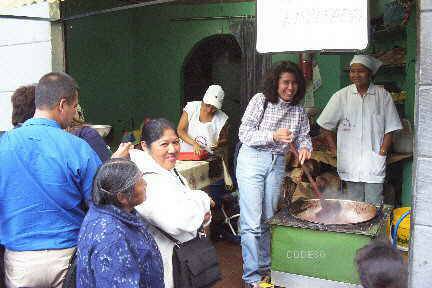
x=205, y=134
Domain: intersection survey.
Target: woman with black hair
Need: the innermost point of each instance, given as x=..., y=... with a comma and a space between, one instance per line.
x=381, y=266
x=272, y=120
x=115, y=249
x=171, y=206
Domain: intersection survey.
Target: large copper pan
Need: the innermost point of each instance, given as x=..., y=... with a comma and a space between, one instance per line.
x=347, y=212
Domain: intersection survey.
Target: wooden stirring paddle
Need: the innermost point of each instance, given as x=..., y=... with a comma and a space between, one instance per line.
x=327, y=207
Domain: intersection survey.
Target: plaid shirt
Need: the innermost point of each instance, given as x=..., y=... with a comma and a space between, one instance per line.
x=259, y=135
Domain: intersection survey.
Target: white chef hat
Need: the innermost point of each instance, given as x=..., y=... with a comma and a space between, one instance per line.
x=214, y=96
x=368, y=61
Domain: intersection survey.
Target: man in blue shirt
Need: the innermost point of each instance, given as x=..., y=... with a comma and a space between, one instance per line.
x=46, y=175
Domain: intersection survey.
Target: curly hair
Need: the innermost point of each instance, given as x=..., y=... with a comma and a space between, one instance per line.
x=23, y=104
x=271, y=81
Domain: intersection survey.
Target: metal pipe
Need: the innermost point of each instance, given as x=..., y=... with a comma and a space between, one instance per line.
x=205, y=18
x=94, y=13
x=116, y=9
x=27, y=18
x=127, y=7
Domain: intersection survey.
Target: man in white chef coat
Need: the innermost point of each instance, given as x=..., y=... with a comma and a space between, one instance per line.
x=364, y=117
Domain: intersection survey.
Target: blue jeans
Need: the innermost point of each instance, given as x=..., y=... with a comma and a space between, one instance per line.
x=259, y=175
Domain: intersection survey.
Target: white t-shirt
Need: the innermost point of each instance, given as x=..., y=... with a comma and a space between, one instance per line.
x=205, y=134
x=361, y=123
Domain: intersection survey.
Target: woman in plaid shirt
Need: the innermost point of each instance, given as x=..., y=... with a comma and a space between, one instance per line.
x=272, y=121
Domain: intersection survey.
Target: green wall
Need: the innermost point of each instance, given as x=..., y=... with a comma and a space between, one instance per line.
x=100, y=55
x=129, y=63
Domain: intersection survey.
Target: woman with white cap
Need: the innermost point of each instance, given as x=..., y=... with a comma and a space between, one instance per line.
x=203, y=125
x=364, y=117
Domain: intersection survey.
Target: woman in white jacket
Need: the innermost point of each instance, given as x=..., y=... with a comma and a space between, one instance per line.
x=171, y=205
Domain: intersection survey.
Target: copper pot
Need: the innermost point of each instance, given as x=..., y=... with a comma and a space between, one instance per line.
x=347, y=212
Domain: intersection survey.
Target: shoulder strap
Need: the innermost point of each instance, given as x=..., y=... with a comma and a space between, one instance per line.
x=177, y=242
x=178, y=176
x=265, y=107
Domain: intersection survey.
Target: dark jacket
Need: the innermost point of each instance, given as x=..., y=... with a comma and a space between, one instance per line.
x=116, y=250
x=92, y=137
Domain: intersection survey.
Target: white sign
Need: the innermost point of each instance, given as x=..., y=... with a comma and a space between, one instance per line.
x=311, y=25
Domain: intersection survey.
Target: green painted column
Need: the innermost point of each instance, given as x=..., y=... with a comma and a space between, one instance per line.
x=411, y=46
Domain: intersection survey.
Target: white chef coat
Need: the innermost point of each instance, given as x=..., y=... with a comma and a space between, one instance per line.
x=361, y=123
x=205, y=134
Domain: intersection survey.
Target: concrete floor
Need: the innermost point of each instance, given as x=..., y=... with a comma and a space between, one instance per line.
x=230, y=260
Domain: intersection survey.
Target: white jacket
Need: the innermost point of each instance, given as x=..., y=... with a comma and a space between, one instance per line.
x=171, y=206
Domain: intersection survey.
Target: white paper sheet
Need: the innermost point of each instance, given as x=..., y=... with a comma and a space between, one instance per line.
x=311, y=25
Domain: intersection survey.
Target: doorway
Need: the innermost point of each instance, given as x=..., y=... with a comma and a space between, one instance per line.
x=216, y=60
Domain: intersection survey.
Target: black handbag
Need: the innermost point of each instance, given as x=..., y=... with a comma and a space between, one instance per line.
x=70, y=278
x=195, y=262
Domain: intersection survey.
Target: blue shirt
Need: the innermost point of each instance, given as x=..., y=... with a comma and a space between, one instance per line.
x=115, y=249
x=45, y=174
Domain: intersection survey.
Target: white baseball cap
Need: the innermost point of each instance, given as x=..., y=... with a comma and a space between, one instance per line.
x=214, y=96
